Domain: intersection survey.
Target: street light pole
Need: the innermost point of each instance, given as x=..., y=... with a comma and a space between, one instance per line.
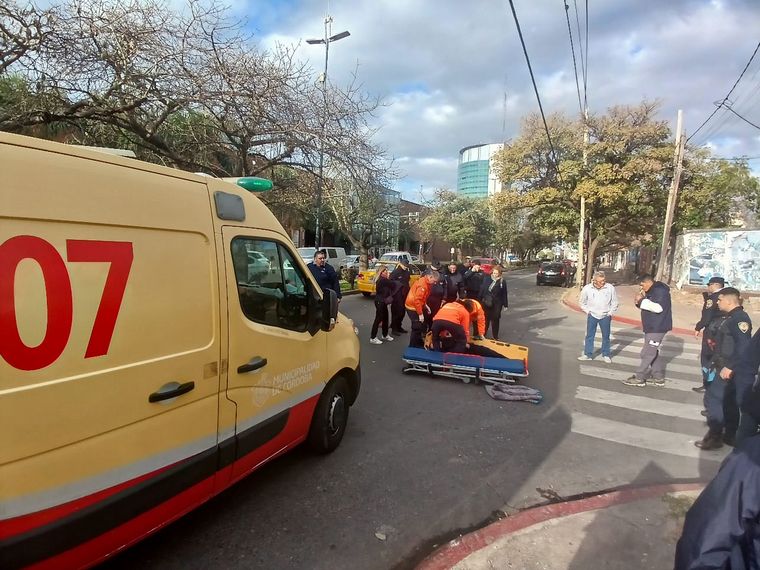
x=323, y=124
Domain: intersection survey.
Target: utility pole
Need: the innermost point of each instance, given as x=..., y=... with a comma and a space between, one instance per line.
x=672, y=196
x=580, y=265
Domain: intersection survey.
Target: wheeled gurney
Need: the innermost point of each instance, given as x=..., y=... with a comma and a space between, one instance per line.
x=470, y=367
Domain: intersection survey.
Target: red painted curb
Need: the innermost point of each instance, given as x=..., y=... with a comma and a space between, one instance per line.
x=627, y=320
x=458, y=549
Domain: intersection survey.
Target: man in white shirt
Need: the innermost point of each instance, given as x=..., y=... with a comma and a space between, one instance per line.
x=599, y=301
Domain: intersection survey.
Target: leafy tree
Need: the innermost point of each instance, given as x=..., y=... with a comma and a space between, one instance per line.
x=460, y=220
x=715, y=193
x=625, y=180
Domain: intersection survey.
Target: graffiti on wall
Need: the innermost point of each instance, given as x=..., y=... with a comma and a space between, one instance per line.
x=733, y=255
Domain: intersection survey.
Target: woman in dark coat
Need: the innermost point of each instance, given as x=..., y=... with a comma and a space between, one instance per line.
x=494, y=298
x=384, y=292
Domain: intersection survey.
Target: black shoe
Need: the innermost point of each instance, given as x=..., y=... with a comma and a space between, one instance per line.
x=704, y=413
x=402, y=330
x=729, y=440
x=396, y=332
x=710, y=442
x=633, y=381
x=699, y=389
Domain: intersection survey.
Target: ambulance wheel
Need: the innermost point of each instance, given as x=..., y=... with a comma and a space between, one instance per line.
x=366, y=294
x=330, y=418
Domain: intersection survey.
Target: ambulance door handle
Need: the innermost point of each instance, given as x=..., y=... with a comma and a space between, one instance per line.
x=173, y=391
x=255, y=363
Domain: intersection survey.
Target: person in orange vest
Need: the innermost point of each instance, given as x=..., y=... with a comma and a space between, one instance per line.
x=416, y=307
x=453, y=318
x=477, y=317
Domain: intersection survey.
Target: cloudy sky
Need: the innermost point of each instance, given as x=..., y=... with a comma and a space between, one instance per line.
x=442, y=67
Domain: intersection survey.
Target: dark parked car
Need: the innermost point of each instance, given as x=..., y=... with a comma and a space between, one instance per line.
x=552, y=272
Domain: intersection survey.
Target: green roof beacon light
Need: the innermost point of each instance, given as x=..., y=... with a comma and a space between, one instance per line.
x=254, y=184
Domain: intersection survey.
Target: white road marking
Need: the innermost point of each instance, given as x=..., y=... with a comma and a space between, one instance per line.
x=667, y=352
x=639, y=403
x=644, y=438
x=688, y=369
x=606, y=372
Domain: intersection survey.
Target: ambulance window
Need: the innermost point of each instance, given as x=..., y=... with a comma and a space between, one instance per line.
x=270, y=285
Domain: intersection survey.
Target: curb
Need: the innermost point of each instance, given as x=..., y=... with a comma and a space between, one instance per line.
x=460, y=548
x=624, y=320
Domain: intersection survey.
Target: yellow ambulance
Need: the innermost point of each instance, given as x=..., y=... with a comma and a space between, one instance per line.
x=160, y=338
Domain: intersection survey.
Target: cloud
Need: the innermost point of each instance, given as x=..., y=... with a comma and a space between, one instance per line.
x=443, y=66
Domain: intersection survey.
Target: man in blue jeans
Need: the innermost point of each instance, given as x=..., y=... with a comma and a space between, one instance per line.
x=599, y=301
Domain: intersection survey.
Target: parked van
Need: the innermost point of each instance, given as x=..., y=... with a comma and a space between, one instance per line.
x=160, y=338
x=336, y=256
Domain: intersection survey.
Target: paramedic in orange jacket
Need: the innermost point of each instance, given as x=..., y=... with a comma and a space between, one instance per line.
x=455, y=319
x=477, y=317
x=416, y=307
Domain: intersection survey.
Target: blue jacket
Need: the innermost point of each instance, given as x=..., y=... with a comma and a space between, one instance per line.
x=658, y=322
x=326, y=277
x=722, y=528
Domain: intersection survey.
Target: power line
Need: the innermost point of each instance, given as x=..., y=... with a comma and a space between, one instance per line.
x=742, y=118
x=535, y=89
x=585, y=65
x=728, y=95
x=572, y=49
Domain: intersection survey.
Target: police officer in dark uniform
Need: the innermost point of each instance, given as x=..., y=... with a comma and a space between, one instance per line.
x=748, y=389
x=722, y=528
x=400, y=275
x=709, y=312
x=731, y=337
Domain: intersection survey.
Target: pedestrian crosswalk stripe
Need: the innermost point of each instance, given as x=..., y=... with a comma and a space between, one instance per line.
x=689, y=370
x=644, y=438
x=667, y=352
x=639, y=403
x=612, y=374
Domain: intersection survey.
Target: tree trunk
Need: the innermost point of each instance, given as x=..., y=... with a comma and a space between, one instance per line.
x=586, y=278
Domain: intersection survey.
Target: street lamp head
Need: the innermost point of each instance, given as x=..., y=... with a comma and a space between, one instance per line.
x=315, y=42
x=340, y=36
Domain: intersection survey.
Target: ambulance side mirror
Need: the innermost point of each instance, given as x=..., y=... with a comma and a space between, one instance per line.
x=329, y=310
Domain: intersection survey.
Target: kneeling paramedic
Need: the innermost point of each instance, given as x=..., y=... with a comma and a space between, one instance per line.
x=454, y=319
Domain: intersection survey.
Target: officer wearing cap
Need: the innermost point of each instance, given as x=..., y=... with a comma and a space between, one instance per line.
x=732, y=335
x=709, y=312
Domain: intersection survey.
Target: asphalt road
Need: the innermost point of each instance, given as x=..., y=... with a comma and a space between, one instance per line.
x=424, y=460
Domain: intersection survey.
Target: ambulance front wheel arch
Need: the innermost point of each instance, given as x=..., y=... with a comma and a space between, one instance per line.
x=328, y=425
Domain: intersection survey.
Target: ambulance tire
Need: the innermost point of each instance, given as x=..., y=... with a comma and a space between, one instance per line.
x=366, y=294
x=330, y=417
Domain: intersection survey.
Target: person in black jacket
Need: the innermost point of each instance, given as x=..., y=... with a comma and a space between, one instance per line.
x=722, y=528
x=709, y=312
x=494, y=298
x=384, y=290
x=454, y=283
x=748, y=389
x=324, y=273
x=436, y=298
x=731, y=336
x=400, y=275
x=657, y=320
x=473, y=280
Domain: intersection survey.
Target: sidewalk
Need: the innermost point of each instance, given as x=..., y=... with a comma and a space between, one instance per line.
x=687, y=306
x=620, y=530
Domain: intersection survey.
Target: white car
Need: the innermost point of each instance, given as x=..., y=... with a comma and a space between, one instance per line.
x=352, y=262
x=336, y=256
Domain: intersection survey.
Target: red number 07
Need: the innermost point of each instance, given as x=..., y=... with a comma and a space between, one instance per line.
x=59, y=297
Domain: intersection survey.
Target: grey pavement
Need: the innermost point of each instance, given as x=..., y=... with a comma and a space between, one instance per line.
x=635, y=529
